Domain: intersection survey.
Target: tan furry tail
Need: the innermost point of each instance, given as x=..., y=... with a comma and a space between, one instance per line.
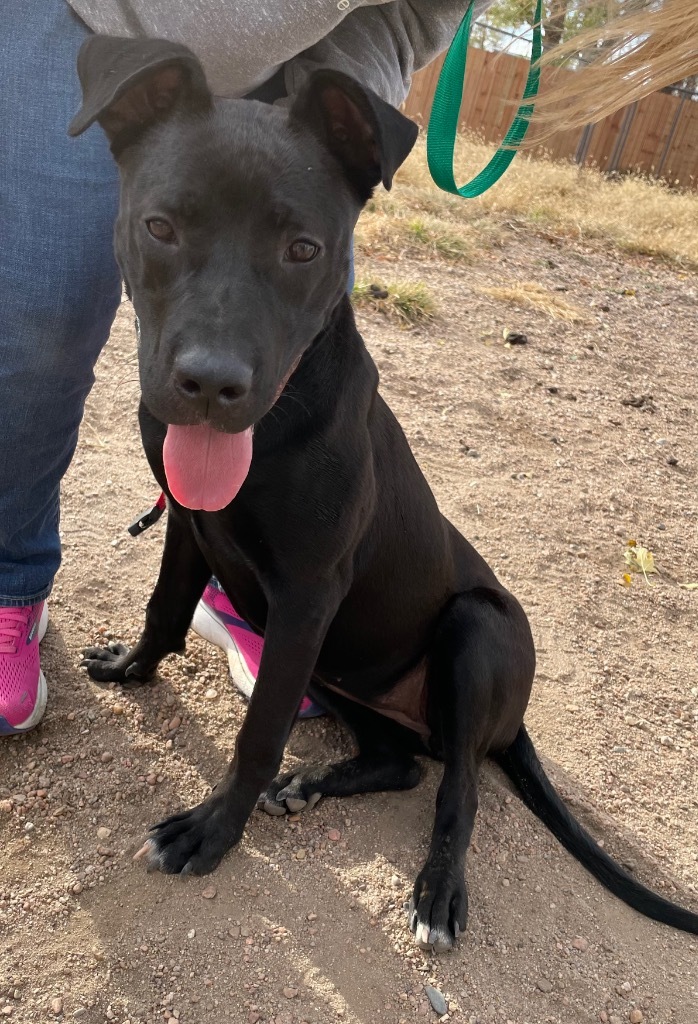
x=649, y=45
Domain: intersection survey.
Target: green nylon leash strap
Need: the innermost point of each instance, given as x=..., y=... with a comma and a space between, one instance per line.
x=443, y=121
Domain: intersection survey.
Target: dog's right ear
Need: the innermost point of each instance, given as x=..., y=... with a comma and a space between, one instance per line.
x=130, y=84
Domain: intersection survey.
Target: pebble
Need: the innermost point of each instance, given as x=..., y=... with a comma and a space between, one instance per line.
x=106, y=757
x=211, y=694
x=103, y=832
x=6, y=1011
x=334, y=834
x=29, y=826
x=209, y=892
x=290, y=993
x=579, y=943
x=301, y=854
x=5, y=806
x=174, y=723
x=56, y=1006
x=77, y=888
x=436, y=999
x=191, y=934
x=636, y=1017
x=544, y=985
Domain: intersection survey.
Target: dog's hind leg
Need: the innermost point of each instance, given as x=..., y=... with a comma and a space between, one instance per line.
x=384, y=762
x=480, y=675
x=184, y=573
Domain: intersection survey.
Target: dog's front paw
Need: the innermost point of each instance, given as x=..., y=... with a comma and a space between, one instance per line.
x=193, y=842
x=114, y=664
x=292, y=792
x=438, y=910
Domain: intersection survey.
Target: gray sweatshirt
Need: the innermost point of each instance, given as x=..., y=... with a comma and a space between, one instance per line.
x=242, y=43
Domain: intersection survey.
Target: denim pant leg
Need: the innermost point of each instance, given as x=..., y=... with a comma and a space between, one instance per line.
x=59, y=282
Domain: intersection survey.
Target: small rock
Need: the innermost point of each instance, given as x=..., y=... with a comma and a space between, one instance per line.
x=209, y=892
x=544, y=985
x=516, y=338
x=395, y=881
x=77, y=888
x=29, y=826
x=6, y=806
x=334, y=835
x=636, y=1017
x=106, y=757
x=579, y=943
x=301, y=854
x=174, y=723
x=311, y=916
x=6, y=1011
x=56, y=1006
x=290, y=993
x=614, y=1019
x=191, y=934
x=473, y=453
x=103, y=832
x=438, y=1003
x=211, y=694
x=234, y=931
x=672, y=460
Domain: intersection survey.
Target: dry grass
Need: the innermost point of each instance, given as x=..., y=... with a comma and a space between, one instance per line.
x=530, y=295
x=406, y=302
x=634, y=214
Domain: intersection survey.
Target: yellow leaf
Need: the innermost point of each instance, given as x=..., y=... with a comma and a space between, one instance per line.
x=640, y=559
x=689, y=586
x=625, y=580
x=632, y=543
x=628, y=291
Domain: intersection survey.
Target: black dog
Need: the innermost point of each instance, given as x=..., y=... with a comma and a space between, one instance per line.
x=233, y=237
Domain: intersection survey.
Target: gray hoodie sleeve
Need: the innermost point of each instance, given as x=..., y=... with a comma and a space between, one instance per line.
x=382, y=46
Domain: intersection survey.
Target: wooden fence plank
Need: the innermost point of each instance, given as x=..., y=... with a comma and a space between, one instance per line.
x=493, y=90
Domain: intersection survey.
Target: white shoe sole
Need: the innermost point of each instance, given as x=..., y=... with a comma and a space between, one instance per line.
x=41, y=690
x=209, y=627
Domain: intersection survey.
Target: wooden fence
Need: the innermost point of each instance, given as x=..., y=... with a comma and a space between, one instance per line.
x=656, y=136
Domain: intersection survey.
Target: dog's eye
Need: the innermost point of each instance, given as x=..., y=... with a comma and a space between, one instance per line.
x=162, y=230
x=302, y=251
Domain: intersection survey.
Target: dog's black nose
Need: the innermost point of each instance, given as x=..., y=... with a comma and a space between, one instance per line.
x=209, y=381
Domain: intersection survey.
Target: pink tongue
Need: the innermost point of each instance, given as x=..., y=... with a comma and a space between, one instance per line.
x=205, y=468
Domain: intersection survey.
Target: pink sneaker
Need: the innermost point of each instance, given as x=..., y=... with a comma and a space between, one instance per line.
x=22, y=683
x=216, y=620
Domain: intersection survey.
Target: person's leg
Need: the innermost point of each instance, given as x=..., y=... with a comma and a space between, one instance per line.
x=59, y=291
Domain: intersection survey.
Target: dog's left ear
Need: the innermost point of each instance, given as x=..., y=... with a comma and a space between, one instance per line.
x=370, y=138
x=130, y=84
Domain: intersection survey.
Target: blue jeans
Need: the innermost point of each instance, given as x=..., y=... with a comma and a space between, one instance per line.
x=59, y=283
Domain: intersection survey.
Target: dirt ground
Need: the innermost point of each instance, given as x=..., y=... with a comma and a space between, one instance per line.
x=534, y=455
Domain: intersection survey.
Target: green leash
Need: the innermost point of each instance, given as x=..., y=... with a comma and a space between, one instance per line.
x=443, y=122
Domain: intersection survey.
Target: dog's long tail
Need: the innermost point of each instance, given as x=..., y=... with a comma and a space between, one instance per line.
x=521, y=764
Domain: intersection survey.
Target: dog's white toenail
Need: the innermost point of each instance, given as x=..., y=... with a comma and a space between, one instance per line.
x=312, y=800
x=294, y=804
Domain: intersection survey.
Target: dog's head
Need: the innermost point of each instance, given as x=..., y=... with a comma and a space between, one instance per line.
x=233, y=234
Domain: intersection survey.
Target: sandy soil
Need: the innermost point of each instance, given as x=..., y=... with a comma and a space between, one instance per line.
x=533, y=454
